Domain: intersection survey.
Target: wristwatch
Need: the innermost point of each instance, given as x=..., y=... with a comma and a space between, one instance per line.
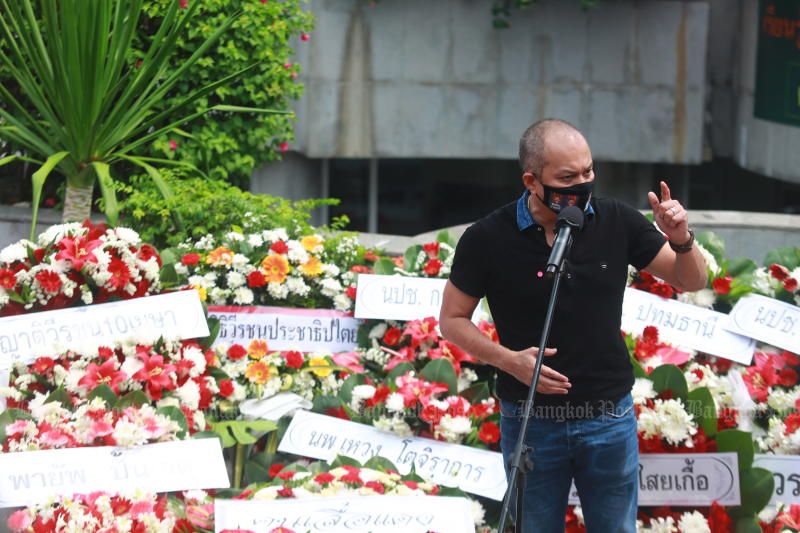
x=685, y=247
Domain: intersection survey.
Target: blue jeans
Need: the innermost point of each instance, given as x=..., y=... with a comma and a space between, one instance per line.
x=601, y=454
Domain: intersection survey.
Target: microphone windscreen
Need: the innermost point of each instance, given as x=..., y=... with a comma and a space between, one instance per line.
x=571, y=215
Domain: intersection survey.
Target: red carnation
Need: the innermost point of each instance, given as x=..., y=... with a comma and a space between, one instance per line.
x=718, y=519
x=779, y=272
x=225, y=388
x=236, y=352
x=722, y=285
x=285, y=492
x=286, y=474
x=650, y=335
x=360, y=269
x=374, y=485
x=790, y=284
x=432, y=267
x=489, y=432
x=279, y=247
x=392, y=336
x=294, y=359
x=147, y=252
x=190, y=259
x=350, y=292
x=369, y=255
x=49, y=280
x=432, y=249
x=256, y=279
x=324, y=477
x=662, y=289
x=275, y=469
x=43, y=365
x=787, y=377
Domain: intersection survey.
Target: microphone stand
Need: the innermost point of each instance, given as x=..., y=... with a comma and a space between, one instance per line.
x=521, y=463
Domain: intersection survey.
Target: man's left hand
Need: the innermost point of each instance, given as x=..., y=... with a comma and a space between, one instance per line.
x=670, y=216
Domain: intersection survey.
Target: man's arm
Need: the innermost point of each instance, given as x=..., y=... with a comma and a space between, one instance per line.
x=457, y=327
x=685, y=271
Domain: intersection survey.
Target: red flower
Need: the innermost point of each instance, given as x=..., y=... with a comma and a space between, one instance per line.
x=275, y=469
x=105, y=374
x=120, y=274
x=294, y=359
x=279, y=247
x=779, y=272
x=361, y=269
x=43, y=365
x=790, y=358
x=722, y=285
x=78, y=250
x=374, y=485
x=432, y=249
x=256, y=279
x=190, y=259
x=7, y=278
x=787, y=377
x=662, y=289
x=236, y=352
x=718, y=519
x=285, y=492
x=422, y=331
x=369, y=255
x=183, y=5
x=304, y=36
x=286, y=474
x=790, y=284
x=225, y=388
x=350, y=292
x=489, y=432
x=147, y=252
x=381, y=393
x=352, y=475
x=49, y=280
x=155, y=374
x=432, y=267
x=392, y=336
x=488, y=329
x=792, y=422
x=324, y=477
x=172, y=144
x=284, y=146
x=337, y=412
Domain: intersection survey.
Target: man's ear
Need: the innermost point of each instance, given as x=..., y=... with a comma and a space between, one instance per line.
x=529, y=179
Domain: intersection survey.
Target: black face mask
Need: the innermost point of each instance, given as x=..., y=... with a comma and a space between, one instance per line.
x=557, y=198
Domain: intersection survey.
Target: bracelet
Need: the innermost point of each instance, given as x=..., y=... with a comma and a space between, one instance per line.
x=685, y=247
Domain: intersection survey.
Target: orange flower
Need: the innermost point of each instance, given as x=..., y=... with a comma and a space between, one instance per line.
x=276, y=268
x=258, y=372
x=310, y=242
x=257, y=349
x=220, y=256
x=312, y=267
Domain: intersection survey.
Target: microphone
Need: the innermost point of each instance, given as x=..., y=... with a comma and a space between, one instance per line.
x=569, y=219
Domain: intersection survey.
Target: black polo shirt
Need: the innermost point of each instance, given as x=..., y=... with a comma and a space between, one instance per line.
x=502, y=257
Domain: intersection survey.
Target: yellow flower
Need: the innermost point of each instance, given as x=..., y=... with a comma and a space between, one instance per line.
x=276, y=268
x=320, y=361
x=312, y=267
x=259, y=372
x=202, y=292
x=310, y=242
x=257, y=349
x=220, y=256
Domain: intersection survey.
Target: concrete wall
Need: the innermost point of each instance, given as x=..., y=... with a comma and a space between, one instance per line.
x=415, y=78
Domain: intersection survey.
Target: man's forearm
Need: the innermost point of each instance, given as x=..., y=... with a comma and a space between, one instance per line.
x=690, y=270
x=463, y=333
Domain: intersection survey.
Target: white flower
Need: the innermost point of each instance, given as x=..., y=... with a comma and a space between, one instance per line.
x=57, y=232
x=378, y=330
x=240, y=260
x=297, y=286
x=198, y=359
x=13, y=252
x=363, y=392
x=702, y=298
x=668, y=420
x=478, y=513
x=395, y=402
x=279, y=291
x=662, y=525
x=255, y=240
x=243, y=296
x=693, y=522
x=127, y=235
x=218, y=296
x=642, y=391
x=453, y=428
x=713, y=267
x=330, y=287
x=233, y=236
x=234, y=279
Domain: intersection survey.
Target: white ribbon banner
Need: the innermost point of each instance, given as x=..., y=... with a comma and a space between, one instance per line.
x=173, y=315
x=304, y=330
x=32, y=477
x=691, y=479
x=4, y=377
x=364, y=514
x=786, y=472
x=402, y=298
x=684, y=325
x=768, y=320
x=471, y=469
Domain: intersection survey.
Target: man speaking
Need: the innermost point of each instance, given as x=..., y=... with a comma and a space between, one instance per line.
x=583, y=425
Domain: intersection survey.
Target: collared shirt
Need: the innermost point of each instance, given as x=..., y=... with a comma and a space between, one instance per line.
x=524, y=217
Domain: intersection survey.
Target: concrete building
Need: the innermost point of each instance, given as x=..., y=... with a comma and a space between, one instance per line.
x=413, y=109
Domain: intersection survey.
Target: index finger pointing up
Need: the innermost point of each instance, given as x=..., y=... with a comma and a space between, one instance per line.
x=665, y=196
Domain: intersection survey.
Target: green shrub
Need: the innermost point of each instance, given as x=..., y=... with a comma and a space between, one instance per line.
x=208, y=206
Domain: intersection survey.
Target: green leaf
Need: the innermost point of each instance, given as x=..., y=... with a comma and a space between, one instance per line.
x=9, y=416
x=787, y=256
x=37, y=181
x=638, y=371
x=741, y=442
x=106, y=393
x=670, y=378
x=701, y=406
x=168, y=275
x=320, y=404
x=134, y=398
x=61, y=396
x=476, y=392
x=110, y=207
x=401, y=369
x=446, y=237
x=747, y=525
x=376, y=462
x=410, y=257
x=214, y=326
x=239, y=431
x=346, y=390
x=177, y=415
x=342, y=460
x=441, y=371
x=255, y=472
x=741, y=265
x=757, y=485
x=385, y=266
x=713, y=243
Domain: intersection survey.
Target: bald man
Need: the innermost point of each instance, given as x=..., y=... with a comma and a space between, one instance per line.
x=583, y=425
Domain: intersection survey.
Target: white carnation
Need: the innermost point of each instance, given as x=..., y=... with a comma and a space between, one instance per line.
x=279, y=291
x=642, y=391
x=702, y=298
x=297, y=286
x=668, y=420
x=243, y=296
x=189, y=394
x=255, y=240
x=234, y=279
x=395, y=402
x=693, y=522
x=127, y=235
x=13, y=252
x=342, y=302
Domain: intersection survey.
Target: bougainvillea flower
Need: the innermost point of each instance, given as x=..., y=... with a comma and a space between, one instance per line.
x=220, y=256
x=105, y=374
x=276, y=268
x=312, y=267
x=422, y=331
